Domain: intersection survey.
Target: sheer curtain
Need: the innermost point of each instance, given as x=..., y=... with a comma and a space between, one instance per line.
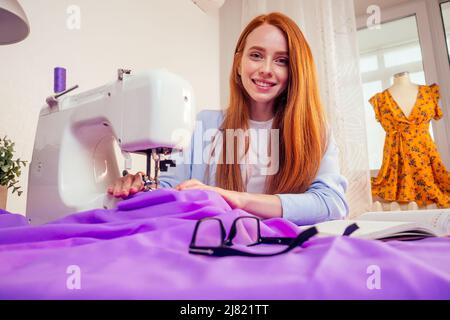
x=330, y=28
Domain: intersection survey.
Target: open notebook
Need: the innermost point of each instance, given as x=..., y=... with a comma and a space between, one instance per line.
x=397, y=225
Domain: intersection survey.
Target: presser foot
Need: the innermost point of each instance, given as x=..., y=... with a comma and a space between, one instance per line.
x=149, y=184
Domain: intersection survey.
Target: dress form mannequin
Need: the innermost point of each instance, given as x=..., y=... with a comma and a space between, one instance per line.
x=404, y=92
x=412, y=173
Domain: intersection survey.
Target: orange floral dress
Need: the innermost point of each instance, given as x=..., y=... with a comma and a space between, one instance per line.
x=412, y=169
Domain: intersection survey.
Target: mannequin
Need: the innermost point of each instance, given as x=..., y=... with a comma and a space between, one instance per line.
x=412, y=174
x=404, y=92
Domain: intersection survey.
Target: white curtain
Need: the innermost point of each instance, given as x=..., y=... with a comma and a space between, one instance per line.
x=330, y=28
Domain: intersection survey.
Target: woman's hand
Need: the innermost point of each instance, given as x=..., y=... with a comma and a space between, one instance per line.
x=193, y=184
x=126, y=186
x=235, y=199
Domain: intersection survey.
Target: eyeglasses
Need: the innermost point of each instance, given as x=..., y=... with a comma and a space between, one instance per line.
x=210, y=239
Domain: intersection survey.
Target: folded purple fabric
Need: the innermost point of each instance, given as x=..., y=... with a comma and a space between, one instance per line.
x=140, y=251
x=8, y=219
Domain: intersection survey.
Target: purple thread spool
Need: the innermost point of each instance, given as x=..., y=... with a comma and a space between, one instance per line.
x=59, y=80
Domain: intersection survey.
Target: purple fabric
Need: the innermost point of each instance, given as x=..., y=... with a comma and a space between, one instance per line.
x=140, y=251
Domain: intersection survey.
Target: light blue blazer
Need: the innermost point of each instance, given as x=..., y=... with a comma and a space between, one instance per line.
x=324, y=200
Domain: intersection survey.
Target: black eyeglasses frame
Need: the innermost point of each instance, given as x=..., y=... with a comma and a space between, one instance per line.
x=225, y=248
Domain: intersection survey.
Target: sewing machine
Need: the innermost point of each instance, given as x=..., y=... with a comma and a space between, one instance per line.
x=79, y=138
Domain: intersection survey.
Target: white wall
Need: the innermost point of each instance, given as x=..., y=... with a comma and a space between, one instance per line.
x=136, y=34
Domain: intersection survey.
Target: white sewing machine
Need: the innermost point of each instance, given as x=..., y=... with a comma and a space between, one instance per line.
x=74, y=158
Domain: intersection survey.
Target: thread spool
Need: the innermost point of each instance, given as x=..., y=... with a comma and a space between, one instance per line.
x=59, y=80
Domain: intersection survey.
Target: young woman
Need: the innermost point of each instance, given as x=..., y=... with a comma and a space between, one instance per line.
x=273, y=86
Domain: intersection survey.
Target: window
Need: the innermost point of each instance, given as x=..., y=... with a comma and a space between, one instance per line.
x=402, y=55
x=368, y=63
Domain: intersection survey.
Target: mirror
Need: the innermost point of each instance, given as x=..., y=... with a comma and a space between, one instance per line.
x=445, y=11
x=392, y=49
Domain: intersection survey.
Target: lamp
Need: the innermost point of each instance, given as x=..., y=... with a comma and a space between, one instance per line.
x=14, y=26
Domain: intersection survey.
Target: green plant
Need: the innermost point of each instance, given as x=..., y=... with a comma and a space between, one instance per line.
x=9, y=168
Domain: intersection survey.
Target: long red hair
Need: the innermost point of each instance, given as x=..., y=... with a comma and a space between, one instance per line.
x=299, y=116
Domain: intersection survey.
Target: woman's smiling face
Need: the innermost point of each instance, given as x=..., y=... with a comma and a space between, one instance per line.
x=264, y=67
